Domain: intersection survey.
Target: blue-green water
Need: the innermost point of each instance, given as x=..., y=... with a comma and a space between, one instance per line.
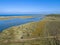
x=4, y=24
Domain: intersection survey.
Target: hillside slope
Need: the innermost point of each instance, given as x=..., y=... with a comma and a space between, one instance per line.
x=48, y=29
x=28, y=30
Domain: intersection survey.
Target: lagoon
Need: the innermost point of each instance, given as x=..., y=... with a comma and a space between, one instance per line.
x=4, y=24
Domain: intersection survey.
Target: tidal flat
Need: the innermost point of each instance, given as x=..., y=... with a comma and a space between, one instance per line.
x=11, y=17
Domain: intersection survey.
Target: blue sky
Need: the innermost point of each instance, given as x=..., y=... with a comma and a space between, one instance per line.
x=29, y=6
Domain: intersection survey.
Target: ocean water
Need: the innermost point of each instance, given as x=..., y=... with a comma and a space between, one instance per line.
x=22, y=14
x=4, y=24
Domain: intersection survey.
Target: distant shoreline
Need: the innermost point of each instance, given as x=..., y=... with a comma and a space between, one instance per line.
x=21, y=14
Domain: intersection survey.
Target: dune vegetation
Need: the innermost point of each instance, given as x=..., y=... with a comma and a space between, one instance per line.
x=44, y=32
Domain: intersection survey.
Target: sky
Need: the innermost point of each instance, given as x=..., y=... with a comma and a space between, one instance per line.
x=29, y=6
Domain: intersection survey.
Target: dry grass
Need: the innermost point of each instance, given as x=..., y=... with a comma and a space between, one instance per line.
x=45, y=32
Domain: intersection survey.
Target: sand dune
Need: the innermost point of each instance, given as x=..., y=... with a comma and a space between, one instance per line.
x=49, y=27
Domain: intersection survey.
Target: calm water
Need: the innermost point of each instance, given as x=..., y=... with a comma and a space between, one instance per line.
x=16, y=21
